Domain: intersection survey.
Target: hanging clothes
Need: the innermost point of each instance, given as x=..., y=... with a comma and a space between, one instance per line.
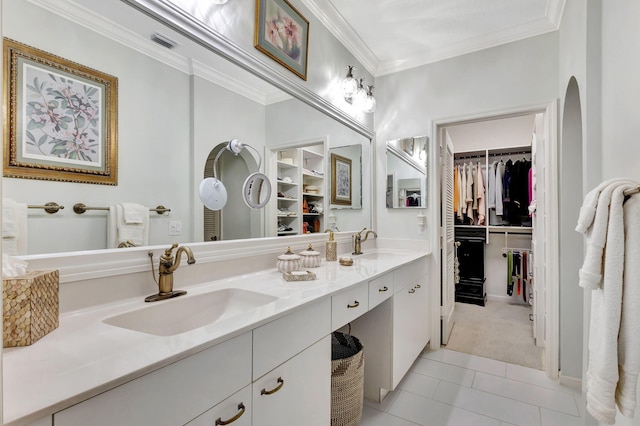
x=506, y=189
x=463, y=191
x=491, y=186
x=456, y=192
x=509, y=272
x=525, y=276
x=469, y=192
x=499, y=188
x=480, y=194
x=516, y=271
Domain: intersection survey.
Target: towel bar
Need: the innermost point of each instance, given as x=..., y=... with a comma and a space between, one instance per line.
x=50, y=208
x=80, y=208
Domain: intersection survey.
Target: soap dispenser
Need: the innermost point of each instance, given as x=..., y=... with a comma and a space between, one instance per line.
x=332, y=248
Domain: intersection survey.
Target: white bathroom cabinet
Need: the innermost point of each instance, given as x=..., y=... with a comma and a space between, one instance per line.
x=394, y=332
x=172, y=395
x=235, y=410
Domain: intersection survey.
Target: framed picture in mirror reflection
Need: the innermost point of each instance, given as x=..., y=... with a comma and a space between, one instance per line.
x=282, y=33
x=61, y=118
x=340, y=180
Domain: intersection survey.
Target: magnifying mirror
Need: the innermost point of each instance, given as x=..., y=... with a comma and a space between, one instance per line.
x=256, y=190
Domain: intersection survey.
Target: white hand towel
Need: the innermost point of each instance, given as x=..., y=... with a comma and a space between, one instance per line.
x=134, y=213
x=14, y=242
x=629, y=336
x=606, y=307
x=119, y=231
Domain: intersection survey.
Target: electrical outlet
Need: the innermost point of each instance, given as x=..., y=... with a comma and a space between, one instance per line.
x=175, y=227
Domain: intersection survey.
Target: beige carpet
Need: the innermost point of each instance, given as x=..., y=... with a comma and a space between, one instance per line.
x=499, y=330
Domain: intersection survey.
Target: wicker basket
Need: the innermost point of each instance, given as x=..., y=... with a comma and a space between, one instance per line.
x=30, y=307
x=347, y=380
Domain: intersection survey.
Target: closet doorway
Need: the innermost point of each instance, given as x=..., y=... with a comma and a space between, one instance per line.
x=494, y=301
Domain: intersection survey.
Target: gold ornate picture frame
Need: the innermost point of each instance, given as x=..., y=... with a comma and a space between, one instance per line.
x=282, y=33
x=60, y=120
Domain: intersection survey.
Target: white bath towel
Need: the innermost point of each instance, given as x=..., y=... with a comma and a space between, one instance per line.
x=119, y=231
x=606, y=307
x=588, y=209
x=596, y=233
x=629, y=336
x=14, y=227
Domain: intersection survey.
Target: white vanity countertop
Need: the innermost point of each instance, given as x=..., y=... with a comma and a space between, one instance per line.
x=84, y=356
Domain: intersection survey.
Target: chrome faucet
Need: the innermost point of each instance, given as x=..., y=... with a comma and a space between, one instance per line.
x=358, y=240
x=167, y=265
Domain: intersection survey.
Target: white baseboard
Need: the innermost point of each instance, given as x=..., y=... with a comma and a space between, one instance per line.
x=572, y=382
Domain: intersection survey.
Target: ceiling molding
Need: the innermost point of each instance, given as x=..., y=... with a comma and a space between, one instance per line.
x=336, y=24
x=80, y=15
x=520, y=32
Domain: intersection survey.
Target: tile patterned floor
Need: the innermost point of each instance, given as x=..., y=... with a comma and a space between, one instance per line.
x=447, y=388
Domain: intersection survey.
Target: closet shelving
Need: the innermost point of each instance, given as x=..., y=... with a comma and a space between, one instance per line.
x=472, y=238
x=300, y=193
x=486, y=157
x=288, y=192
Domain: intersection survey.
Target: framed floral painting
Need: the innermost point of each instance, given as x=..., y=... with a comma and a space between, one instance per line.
x=282, y=33
x=60, y=118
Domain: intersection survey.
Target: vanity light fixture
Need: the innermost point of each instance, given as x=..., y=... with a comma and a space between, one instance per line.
x=349, y=84
x=356, y=93
x=256, y=190
x=369, y=103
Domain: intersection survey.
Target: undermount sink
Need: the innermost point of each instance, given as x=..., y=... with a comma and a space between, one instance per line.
x=175, y=316
x=377, y=256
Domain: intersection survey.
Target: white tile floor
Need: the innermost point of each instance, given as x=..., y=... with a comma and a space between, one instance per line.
x=447, y=388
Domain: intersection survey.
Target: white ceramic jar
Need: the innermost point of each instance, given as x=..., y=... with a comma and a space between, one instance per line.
x=309, y=258
x=289, y=261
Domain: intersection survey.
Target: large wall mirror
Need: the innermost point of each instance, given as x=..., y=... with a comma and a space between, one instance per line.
x=175, y=107
x=406, y=182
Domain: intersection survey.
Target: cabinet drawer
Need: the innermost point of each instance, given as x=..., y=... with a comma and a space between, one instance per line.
x=276, y=342
x=408, y=274
x=380, y=289
x=237, y=406
x=171, y=395
x=349, y=305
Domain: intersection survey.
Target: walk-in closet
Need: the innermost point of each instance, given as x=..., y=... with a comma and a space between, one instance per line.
x=491, y=204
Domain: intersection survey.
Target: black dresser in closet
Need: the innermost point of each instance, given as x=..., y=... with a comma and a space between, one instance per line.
x=470, y=288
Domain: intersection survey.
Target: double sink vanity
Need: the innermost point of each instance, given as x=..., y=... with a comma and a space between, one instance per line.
x=248, y=347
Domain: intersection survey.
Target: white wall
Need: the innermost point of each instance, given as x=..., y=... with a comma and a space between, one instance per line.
x=153, y=149
x=512, y=75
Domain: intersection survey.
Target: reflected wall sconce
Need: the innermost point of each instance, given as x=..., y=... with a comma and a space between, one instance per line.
x=220, y=1
x=356, y=93
x=256, y=190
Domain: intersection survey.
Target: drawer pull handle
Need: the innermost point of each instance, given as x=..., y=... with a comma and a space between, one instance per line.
x=385, y=288
x=413, y=290
x=418, y=286
x=355, y=305
x=274, y=390
x=242, y=409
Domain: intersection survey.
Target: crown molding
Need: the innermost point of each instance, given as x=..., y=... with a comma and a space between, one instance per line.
x=80, y=15
x=520, y=32
x=336, y=24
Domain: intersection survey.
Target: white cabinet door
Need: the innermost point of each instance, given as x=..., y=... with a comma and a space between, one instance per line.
x=410, y=327
x=297, y=392
x=172, y=395
x=235, y=410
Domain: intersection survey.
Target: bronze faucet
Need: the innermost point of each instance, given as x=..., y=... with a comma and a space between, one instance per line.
x=167, y=265
x=358, y=240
